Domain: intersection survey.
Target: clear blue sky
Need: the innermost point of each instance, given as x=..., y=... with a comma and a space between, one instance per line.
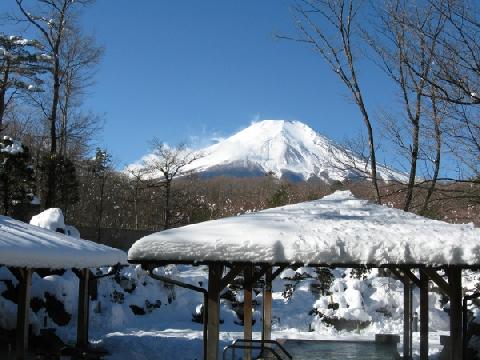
x=188, y=68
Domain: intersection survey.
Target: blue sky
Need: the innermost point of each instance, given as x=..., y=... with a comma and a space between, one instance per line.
x=188, y=69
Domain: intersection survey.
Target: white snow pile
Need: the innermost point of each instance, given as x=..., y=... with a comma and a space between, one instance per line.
x=52, y=219
x=26, y=245
x=336, y=230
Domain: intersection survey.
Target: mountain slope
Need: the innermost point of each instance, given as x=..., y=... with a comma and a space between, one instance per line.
x=286, y=148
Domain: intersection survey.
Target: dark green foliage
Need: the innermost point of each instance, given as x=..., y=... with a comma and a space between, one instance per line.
x=360, y=273
x=280, y=196
x=66, y=179
x=17, y=182
x=432, y=212
x=325, y=277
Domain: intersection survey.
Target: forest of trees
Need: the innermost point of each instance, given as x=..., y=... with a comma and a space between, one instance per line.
x=429, y=49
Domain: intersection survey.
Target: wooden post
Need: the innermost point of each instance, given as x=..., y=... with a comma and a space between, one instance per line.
x=214, y=278
x=423, y=316
x=267, y=306
x=247, y=308
x=83, y=310
x=23, y=313
x=407, y=318
x=456, y=331
x=205, y=324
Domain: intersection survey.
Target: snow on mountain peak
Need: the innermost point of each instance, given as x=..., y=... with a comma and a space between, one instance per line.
x=284, y=148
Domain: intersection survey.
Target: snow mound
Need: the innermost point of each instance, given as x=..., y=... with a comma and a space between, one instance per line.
x=336, y=230
x=52, y=219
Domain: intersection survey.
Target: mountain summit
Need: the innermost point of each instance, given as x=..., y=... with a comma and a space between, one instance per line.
x=288, y=149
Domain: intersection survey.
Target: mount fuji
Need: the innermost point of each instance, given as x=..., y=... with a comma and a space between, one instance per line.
x=286, y=149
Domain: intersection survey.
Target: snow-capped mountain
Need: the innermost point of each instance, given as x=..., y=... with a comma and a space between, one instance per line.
x=288, y=149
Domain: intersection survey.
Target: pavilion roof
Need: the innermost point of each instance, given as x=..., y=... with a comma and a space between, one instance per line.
x=25, y=245
x=338, y=229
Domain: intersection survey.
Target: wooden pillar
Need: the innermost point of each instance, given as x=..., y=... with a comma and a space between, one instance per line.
x=214, y=278
x=247, y=308
x=456, y=331
x=205, y=324
x=23, y=313
x=83, y=309
x=423, y=316
x=407, y=318
x=267, y=306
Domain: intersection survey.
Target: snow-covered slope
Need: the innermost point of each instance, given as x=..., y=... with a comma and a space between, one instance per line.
x=286, y=148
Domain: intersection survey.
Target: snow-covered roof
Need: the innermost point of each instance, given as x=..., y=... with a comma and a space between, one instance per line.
x=338, y=229
x=26, y=245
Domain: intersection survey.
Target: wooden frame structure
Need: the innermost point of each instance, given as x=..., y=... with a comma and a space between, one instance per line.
x=23, y=309
x=216, y=283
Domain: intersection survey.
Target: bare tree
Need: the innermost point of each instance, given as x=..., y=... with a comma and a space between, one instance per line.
x=80, y=57
x=166, y=164
x=406, y=42
x=329, y=26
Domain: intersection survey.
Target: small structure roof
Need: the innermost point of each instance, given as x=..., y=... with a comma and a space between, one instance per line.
x=336, y=230
x=25, y=245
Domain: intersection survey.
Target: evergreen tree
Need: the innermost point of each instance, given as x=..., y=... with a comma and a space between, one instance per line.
x=17, y=181
x=66, y=184
x=280, y=197
x=21, y=64
x=101, y=170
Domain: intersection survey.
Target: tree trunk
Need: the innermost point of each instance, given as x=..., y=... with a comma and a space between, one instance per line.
x=438, y=154
x=100, y=211
x=6, y=197
x=413, y=166
x=51, y=178
x=168, y=184
x=3, y=91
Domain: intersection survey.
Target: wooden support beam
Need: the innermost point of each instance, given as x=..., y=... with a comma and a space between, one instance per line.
x=456, y=331
x=411, y=276
x=407, y=319
x=83, y=309
x=227, y=279
x=398, y=275
x=247, y=308
x=214, y=279
x=267, y=306
x=278, y=271
x=259, y=274
x=423, y=315
x=437, y=279
x=22, y=313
